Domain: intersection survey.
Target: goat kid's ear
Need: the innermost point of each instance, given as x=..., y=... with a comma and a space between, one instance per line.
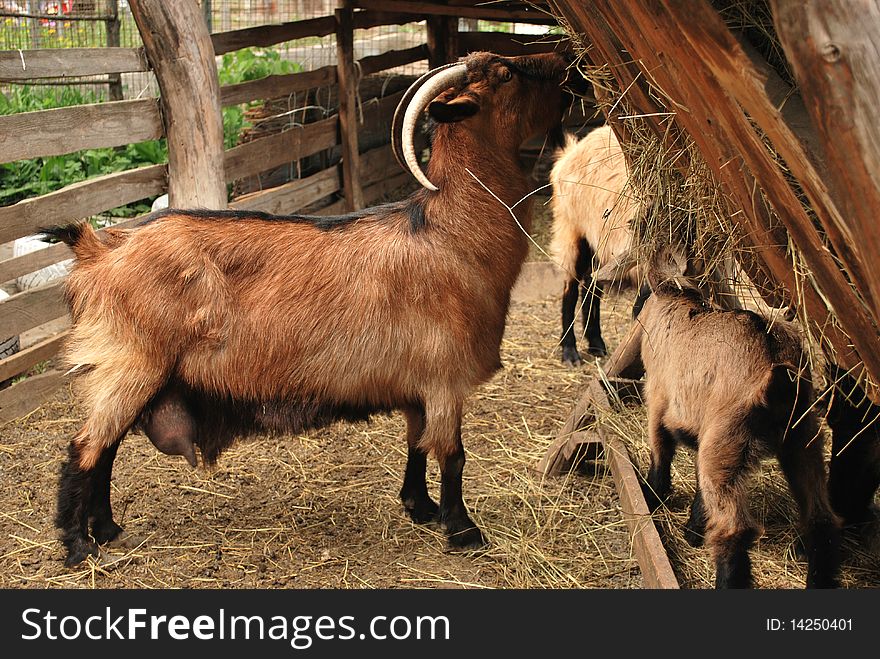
x=446, y=112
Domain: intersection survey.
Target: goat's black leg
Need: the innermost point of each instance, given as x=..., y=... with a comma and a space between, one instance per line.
x=662, y=442
x=443, y=434
x=591, y=314
x=641, y=298
x=414, y=493
x=104, y=529
x=74, y=499
x=733, y=567
x=570, y=355
x=802, y=463
x=695, y=527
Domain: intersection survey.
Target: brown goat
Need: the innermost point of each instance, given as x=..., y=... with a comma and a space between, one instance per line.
x=204, y=326
x=736, y=388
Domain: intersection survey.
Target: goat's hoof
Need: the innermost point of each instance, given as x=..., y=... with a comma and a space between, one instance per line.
x=126, y=541
x=105, y=531
x=694, y=535
x=421, y=511
x=597, y=348
x=571, y=357
x=79, y=550
x=466, y=540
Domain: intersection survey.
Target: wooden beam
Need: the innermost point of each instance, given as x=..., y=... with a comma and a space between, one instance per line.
x=739, y=74
x=291, y=197
x=28, y=309
x=269, y=35
x=348, y=85
x=392, y=59
x=21, y=361
x=510, y=45
x=276, y=86
x=486, y=12
x=66, y=62
x=26, y=396
x=179, y=48
x=80, y=200
x=267, y=152
x=442, y=40
x=63, y=130
x=833, y=49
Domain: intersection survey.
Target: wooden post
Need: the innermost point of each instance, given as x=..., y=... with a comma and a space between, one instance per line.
x=179, y=48
x=442, y=40
x=832, y=49
x=348, y=82
x=112, y=24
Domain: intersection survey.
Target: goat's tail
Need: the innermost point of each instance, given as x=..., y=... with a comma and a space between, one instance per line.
x=80, y=237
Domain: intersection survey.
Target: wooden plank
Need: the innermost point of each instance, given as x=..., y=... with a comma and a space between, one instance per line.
x=269, y=35
x=525, y=15
x=685, y=72
x=33, y=261
x=63, y=130
x=276, y=86
x=650, y=553
x=26, y=396
x=177, y=42
x=372, y=193
x=739, y=74
x=267, y=152
x=21, y=361
x=833, y=52
x=509, y=44
x=348, y=130
x=61, y=62
x=293, y=196
x=391, y=59
x=442, y=40
x=25, y=310
x=80, y=200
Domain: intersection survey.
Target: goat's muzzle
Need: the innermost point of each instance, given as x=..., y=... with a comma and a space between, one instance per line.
x=406, y=116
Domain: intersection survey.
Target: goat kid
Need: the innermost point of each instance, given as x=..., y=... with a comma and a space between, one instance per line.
x=736, y=388
x=592, y=214
x=204, y=326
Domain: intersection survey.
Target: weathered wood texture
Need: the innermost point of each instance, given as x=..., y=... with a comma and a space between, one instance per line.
x=391, y=59
x=508, y=44
x=28, y=309
x=834, y=51
x=269, y=35
x=348, y=83
x=63, y=62
x=290, y=197
x=179, y=48
x=267, y=152
x=277, y=85
x=26, y=396
x=21, y=361
x=442, y=40
x=80, y=200
x=731, y=148
x=486, y=12
x=62, y=130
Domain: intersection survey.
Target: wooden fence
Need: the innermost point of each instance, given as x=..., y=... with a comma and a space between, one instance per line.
x=193, y=99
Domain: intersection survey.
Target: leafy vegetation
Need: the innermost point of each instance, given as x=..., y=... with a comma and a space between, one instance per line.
x=27, y=178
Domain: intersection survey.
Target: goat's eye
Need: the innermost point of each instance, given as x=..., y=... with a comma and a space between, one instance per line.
x=505, y=74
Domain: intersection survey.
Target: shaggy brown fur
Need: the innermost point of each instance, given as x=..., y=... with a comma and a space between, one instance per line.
x=737, y=389
x=205, y=326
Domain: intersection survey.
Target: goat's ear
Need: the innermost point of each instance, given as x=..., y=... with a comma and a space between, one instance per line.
x=460, y=107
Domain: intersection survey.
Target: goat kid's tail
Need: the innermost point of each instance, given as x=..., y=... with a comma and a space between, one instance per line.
x=80, y=237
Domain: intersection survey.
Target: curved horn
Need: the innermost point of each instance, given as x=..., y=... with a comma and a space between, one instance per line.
x=432, y=83
x=397, y=121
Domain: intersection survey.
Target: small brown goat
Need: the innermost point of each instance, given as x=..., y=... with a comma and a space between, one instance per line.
x=736, y=388
x=592, y=213
x=204, y=326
